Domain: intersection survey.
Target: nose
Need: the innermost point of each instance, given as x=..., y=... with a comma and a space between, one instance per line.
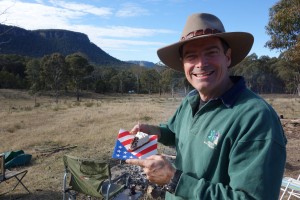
x=200, y=61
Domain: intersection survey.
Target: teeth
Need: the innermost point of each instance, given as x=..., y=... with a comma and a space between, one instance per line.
x=204, y=74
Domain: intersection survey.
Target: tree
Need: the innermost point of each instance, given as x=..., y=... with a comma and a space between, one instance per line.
x=250, y=69
x=15, y=66
x=287, y=72
x=79, y=68
x=54, y=72
x=150, y=80
x=137, y=71
x=103, y=79
x=7, y=80
x=284, y=29
x=33, y=71
x=284, y=24
x=100, y=86
x=171, y=79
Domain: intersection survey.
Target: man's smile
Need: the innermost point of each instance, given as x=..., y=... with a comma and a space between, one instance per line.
x=202, y=74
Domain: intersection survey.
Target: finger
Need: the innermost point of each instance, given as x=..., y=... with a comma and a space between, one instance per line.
x=135, y=129
x=147, y=171
x=155, y=157
x=141, y=162
x=137, y=162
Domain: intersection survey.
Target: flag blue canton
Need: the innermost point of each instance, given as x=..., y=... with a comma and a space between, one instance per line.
x=120, y=152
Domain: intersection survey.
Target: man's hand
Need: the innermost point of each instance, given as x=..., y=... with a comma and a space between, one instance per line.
x=157, y=168
x=146, y=128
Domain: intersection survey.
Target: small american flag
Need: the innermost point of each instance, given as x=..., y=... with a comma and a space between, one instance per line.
x=122, y=152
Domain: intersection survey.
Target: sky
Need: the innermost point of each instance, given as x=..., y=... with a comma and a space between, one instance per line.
x=135, y=29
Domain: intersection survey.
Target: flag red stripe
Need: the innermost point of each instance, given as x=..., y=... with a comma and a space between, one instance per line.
x=123, y=134
x=151, y=148
x=126, y=142
x=153, y=138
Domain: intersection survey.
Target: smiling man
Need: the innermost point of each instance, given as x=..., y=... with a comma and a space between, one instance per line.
x=229, y=142
x=205, y=63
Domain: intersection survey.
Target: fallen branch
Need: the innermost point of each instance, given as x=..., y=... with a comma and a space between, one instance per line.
x=51, y=150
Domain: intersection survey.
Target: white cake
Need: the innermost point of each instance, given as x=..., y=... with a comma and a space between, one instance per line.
x=139, y=140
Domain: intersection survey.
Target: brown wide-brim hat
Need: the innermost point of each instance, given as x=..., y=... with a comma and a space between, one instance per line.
x=203, y=25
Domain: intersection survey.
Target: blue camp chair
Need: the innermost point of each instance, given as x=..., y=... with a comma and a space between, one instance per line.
x=6, y=175
x=291, y=187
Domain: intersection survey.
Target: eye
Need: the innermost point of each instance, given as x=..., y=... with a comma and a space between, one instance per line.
x=189, y=56
x=213, y=52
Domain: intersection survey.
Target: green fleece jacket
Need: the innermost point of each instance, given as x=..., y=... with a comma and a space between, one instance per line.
x=233, y=147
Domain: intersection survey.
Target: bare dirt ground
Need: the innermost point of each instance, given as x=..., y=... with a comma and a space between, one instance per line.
x=292, y=132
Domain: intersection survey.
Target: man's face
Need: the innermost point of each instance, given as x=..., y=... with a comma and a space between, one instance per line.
x=206, y=66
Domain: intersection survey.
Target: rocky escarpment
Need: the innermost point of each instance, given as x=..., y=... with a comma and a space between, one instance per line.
x=37, y=43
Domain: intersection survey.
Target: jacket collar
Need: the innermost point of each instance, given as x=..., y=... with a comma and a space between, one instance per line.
x=228, y=98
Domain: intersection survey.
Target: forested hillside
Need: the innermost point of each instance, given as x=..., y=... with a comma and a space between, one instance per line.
x=37, y=43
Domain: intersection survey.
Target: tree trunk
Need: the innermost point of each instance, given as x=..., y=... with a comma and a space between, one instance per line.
x=77, y=93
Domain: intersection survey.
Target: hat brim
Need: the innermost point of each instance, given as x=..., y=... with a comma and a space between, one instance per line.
x=239, y=42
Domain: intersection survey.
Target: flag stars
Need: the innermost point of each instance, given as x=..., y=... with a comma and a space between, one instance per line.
x=121, y=148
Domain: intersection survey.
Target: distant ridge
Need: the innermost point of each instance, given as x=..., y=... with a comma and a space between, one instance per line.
x=37, y=43
x=142, y=63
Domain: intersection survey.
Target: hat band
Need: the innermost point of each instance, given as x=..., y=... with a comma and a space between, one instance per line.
x=200, y=32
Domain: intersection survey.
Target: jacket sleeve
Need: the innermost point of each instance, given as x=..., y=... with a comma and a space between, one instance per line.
x=252, y=177
x=167, y=137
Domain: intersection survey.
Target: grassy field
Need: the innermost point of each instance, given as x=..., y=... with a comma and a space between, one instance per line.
x=87, y=128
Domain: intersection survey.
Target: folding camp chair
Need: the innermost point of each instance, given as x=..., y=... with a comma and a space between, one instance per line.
x=290, y=186
x=92, y=178
x=5, y=175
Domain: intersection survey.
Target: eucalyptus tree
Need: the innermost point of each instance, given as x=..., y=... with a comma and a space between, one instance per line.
x=54, y=73
x=284, y=29
x=150, y=80
x=33, y=72
x=12, y=70
x=171, y=80
x=250, y=70
x=122, y=81
x=78, y=68
x=288, y=76
x=137, y=72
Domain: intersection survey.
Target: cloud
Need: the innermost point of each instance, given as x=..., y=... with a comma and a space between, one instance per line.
x=81, y=7
x=39, y=1
x=36, y=15
x=114, y=44
x=58, y=14
x=119, y=31
x=131, y=10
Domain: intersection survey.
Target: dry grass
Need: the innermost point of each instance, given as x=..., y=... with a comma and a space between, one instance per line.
x=90, y=126
x=288, y=106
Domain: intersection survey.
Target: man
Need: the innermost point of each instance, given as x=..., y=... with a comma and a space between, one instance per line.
x=229, y=141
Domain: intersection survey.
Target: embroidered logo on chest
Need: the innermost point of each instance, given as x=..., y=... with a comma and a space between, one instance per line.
x=212, y=139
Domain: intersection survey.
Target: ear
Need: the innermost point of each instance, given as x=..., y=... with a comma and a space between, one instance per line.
x=228, y=57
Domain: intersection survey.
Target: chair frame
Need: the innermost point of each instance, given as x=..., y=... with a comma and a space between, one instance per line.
x=106, y=185
x=287, y=184
x=8, y=174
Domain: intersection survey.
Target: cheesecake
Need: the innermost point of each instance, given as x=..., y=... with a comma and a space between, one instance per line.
x=139, y=140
